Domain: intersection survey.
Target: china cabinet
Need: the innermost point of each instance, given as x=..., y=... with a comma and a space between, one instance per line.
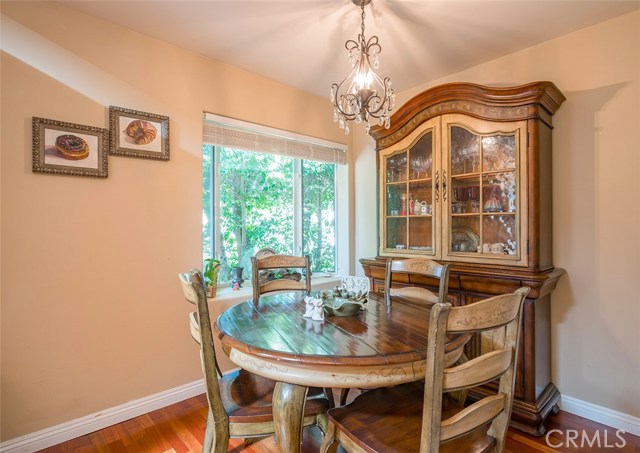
x=464, y=176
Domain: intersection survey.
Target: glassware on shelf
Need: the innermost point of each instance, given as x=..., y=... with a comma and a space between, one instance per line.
x=474, y=196
x=403, y=205
x=420, y=160
x=499, y=152
x=492, y=205
x=396, y=168
x=499, y=235
x=461, y=194
x=465, y=151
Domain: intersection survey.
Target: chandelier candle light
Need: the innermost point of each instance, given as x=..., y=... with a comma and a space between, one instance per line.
x=363, y=95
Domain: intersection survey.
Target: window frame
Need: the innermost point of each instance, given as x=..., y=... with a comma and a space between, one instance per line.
x=219, y=130
x=298, y=215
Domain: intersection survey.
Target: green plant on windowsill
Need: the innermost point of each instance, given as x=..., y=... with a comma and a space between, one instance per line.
x=211, y=269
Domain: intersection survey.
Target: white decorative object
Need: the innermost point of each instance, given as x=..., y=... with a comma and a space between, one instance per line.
x=356, y=284
x=314, y=308
x=308, y=313
x=318, y=310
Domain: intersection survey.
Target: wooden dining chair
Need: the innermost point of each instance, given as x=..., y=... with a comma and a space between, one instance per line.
x=239, y=401
x=419, y=417
x=275, y=262
x=414, y=269
x=422, y=270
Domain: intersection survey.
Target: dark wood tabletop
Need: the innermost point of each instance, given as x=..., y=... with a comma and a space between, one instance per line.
x=380, y=346
x=275, y=329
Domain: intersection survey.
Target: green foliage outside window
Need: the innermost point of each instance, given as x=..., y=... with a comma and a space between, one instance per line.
x=318, y=194
x=257, y=208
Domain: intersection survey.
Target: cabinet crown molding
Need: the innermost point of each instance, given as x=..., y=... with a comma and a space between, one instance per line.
x=508, y=103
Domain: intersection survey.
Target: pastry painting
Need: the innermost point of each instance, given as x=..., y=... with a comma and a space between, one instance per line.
x=138, y=134
x=70, y=149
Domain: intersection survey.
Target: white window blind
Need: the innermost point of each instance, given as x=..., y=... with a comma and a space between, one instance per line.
x=236, y=134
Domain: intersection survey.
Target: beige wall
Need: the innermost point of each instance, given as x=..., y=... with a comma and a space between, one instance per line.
x=596, y=226
x=92, y=314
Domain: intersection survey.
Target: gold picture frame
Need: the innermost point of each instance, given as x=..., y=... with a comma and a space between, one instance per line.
x=69, y=149
x=138, y=134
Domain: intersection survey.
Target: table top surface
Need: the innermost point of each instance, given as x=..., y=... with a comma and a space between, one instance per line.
x=274, y=329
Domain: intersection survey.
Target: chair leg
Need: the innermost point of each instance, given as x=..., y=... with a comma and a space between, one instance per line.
x=329, y=443
x=209, y=434
x=328, y=392
x=216, y=437
x=322, y=421
x=344, y=394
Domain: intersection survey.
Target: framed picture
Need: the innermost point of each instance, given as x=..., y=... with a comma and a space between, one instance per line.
x=138, y=134
x=69, y=149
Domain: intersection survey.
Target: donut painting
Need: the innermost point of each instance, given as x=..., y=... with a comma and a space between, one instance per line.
x=138, y=134
x=67, y=148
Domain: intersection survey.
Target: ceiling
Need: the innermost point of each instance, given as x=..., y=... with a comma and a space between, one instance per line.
x=301, y=42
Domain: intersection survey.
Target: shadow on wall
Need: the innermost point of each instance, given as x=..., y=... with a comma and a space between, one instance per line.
x=580, y=241
x=575, y=190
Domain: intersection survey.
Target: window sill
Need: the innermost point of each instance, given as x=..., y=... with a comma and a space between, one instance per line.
x=230, y=297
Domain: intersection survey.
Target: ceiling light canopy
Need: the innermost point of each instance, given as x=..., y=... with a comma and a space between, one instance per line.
x=363, y=95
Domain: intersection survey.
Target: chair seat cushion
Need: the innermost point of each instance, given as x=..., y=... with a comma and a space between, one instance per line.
x=390, y=419
x=247, y=397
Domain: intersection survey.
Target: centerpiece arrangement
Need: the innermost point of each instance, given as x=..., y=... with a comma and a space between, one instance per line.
x=337, y=302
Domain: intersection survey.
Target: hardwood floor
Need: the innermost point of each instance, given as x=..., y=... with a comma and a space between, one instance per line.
x=180, y=428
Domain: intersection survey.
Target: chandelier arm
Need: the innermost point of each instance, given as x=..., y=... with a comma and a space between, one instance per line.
x=351, y=44
x=373, y=43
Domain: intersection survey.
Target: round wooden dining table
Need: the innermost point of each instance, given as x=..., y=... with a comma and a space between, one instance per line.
x=383, y=345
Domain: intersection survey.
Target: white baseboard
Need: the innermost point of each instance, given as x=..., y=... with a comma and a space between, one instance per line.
x=600, y=414
x=93, y=422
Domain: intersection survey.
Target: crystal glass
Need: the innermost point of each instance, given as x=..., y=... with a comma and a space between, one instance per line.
x=465, y=151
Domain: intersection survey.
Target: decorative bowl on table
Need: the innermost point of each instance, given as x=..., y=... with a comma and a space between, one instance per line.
x=343, y=307
x=343, y=301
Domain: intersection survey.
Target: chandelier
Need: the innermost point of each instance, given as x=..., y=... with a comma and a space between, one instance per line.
x=363, y=95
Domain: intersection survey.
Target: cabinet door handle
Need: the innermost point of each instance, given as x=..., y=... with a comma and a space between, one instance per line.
x=437, y=186
x=444, y=185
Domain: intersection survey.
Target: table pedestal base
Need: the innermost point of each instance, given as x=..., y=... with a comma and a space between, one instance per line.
x=288, y=412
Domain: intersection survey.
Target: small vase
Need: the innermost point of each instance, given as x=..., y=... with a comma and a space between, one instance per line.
x=236, y=278
x=211, y=291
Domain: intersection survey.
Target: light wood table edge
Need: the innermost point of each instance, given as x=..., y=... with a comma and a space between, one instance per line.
x=370, y=376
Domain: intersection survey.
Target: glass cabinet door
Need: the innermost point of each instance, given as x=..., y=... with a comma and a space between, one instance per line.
x=408, y=191
x=484, y=201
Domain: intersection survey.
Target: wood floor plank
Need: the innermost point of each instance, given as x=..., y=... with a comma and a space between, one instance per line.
x=179, y=428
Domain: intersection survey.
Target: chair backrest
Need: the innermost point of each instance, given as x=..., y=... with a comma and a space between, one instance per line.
x=417, y=267
x=194, y=291
x=280, y=262
x=499, y=312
